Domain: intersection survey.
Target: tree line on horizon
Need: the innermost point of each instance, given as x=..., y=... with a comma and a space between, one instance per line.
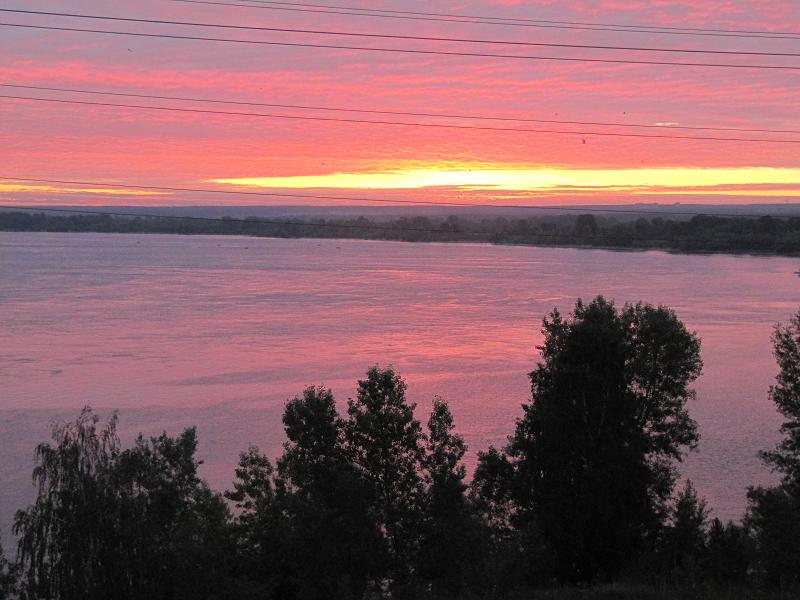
x=367, y=503
x=701, y=233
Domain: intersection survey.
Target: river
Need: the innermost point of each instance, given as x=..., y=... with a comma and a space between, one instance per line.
x=217, y=332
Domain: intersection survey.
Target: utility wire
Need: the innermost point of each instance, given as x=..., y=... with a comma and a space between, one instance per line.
x=486, y=20
x=387, y=36
x=485, y=237
x=393, y=112
x=519, y=19
x=205, y=111
x=407, y=50
x=580, y=209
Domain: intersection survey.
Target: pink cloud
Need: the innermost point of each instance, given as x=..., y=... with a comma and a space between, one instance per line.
x=94, y=142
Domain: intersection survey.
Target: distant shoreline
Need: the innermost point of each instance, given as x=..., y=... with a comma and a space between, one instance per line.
x=762, y=236
x=434, y=242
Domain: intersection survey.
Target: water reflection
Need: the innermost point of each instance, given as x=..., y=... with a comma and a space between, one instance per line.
x=218, y=332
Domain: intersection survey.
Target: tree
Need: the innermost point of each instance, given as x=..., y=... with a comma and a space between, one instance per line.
x=786, y=396
x=7, y=577
x=262, y=532
x=511, y=545
x=685, y=538
x=314, y=445
x=593, y=454
x=444, y=471
x=774, y=512
x=66, y=532
x=174, y=530
x=729, y=552
x=384, y=442
x=338, y=545
x=586, y=225
x=773, y=516
x=109, y=523
x=449, y=531
x=305, y=529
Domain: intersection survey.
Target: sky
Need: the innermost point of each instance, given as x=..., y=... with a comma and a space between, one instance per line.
x=462, y=161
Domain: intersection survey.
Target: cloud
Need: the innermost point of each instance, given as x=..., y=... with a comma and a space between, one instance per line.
x=538, y=179
x=139, y=146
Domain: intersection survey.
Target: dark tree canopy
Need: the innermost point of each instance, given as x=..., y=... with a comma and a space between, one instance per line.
x=308, y=520
x=340, y=545
x=774, y=518
x=730, y=552
x=385, y=443
x=112, y=523
x=786, y=396
x=774, y=512
x=593, y=454
x=684, y=538
x=449, y=536
x=8, y=578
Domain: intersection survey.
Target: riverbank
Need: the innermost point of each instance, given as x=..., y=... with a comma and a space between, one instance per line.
x=701, y=234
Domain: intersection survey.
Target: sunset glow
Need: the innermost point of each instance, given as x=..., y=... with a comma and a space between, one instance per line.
x=537, y=155
x=26, y=188
x=544, y=179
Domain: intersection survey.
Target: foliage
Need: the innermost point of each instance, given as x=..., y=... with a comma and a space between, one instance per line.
x=510, y=563
x=450, y=535
x=730, y=553
x=684, y=539
x=262, y=565
x=384, y=441
x=786, y=396
x=8, y=577
x=122, y=524
x=593, y=453
x=774, y=513
x=774, y=518
x=339, y=544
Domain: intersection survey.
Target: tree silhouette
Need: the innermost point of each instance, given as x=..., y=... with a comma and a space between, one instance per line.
x=108, y=523
x=786, y=396
x=8, y=578
x=385, y=444
x=261, y=530
x=685, y=538
x=730, y=553
x=339, y=549
x=774, y=513
x=449, y=532
x=594, y=452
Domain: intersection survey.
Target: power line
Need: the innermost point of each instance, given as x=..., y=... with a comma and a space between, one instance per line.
x=205, y=111
x=520, y=19
x=501, y=21
x=415, y=38
x=395, y=112
x=408, y=50
x=485, y=237
x=589, y=209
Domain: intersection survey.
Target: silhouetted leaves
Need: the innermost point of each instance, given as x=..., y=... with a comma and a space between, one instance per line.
x=774, y=513
x=592, y=454
x=112, y=523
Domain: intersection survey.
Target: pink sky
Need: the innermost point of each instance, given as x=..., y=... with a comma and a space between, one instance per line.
x=91, y=143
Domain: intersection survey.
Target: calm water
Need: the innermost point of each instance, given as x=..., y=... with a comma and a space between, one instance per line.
x=219, y=331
